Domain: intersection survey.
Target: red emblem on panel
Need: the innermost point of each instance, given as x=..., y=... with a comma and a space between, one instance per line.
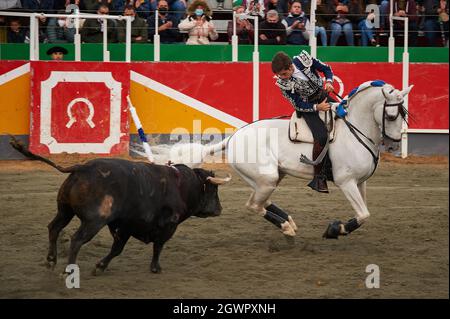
x=79, y=108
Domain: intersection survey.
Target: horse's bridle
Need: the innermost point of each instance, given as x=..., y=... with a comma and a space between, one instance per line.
x=353, y=129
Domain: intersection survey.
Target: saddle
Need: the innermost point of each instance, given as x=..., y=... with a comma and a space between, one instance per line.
x=300, y=132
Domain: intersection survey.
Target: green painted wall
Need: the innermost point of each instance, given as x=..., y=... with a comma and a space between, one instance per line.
x=219, y=53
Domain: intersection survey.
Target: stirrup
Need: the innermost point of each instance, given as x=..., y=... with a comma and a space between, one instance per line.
x=319, y=184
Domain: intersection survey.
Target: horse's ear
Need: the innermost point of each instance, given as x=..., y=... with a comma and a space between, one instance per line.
x=406, y=91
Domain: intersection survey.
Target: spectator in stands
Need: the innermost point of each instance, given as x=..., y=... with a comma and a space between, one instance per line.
x=46, y=6
x=244, y=29
x=443, y=20
x=428, y=10
x=384, y=13
x=92, y=31
x=142, y=7
x=255, y=7
x=92, y=5
x=16, y=33
x=57, y=53
x=406, y=8
x=198, y=24
x=60, y=30
x=272, y=31
x=167, y=28
x=3, y=30
x=297, y=25
x=362, y=21
x=281, y=6
x=323, y=18
x=177, y=8
x=139, y=28
x=10, y=4
x=341, y=23
x=63, y=4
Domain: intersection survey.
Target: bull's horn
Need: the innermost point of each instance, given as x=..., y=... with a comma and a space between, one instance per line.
x=218, y=180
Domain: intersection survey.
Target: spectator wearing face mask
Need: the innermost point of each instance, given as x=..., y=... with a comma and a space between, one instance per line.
x=177, y=8
x=139, y=28
x=142, y=7
x=167, y=27
x=244, y=29
x=92, y=31
x=198, y=24
x=60, y=30
x=272, y=31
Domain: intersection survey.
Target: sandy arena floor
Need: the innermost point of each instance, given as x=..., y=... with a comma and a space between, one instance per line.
x=240, y=255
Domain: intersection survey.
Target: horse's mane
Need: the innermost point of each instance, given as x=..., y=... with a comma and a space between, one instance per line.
x=364, y=86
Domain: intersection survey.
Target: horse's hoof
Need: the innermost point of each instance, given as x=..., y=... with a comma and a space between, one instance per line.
x=156, y=270
x=97, y=271
x=292, y=223
x=64, y=275
x=50, y=265
x=333, y=230
x=287, y=229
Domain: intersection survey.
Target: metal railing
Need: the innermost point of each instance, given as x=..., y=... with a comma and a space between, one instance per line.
x=34, y=31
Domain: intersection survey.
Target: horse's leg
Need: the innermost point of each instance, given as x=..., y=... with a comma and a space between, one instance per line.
x=258, y=200
x=278, y=211
x=353, y=194
x=362, y=190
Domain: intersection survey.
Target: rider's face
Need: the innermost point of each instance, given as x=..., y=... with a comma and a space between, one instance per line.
x=286, y=74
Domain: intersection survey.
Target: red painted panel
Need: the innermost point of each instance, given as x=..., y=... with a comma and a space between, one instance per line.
x=224, y=86
x=79, y=107
x=6, y=66
x=428, y=100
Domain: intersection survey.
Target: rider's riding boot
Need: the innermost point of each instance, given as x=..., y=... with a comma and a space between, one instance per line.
x=319, y=182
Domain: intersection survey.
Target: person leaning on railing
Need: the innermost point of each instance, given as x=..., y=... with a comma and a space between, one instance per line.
x=198, y=24
x=139, y=31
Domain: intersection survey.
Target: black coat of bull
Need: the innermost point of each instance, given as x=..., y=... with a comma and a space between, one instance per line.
x=138, y=199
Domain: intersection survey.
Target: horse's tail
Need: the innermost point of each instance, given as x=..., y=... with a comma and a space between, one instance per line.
x=190, y=154
x=212, y=149
x=21, y=149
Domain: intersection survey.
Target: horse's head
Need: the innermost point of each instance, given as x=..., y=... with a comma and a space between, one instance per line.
x=390, y=114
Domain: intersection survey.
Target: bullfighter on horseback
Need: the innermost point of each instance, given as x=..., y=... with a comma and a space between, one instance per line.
x=300, y=83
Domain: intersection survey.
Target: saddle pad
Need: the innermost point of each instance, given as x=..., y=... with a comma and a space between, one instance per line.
x=300, y=132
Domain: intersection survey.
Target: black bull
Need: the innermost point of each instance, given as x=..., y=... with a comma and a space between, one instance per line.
x=138, y=199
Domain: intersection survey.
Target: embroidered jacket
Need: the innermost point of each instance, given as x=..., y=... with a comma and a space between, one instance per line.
x=302, y=92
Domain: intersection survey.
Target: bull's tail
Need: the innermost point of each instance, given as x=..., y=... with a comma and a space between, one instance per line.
x=21, y=149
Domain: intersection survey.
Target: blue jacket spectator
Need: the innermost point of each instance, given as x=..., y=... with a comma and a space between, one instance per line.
x=142, y=7
x=296, y=24
x=167, y=25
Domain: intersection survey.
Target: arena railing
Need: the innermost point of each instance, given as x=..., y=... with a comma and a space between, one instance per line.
x=34, y=31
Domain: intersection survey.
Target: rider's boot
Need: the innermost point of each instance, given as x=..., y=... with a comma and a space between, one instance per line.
x=319, y=182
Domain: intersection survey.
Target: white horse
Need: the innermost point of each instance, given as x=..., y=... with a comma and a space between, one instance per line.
x=373, y=114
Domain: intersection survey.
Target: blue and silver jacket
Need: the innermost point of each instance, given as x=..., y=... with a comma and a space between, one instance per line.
x=303, y=93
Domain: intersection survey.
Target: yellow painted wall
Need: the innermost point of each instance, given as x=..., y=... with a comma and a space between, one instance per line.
x=160, y=114
x=15, y=106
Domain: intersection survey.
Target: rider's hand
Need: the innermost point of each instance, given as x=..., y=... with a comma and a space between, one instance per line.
x=323, y=106
x=329, y=87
